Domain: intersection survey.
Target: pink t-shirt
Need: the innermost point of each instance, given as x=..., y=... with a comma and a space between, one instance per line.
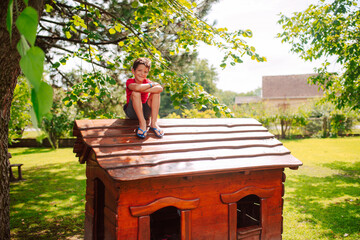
x=144, y=95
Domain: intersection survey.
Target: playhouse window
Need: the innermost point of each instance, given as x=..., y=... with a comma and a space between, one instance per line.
x=165, y=224
x=99, y=205
x=248, y=212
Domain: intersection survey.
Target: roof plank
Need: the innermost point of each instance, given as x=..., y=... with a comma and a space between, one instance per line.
x=190, y=146
x=113, y=132
x=115, y=123
x=126, y=150
x=121, y=161
x=204, y=167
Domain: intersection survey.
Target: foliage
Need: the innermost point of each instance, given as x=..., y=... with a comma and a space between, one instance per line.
x=93, y=102
x=255, y=92
x=288, y=118
x=330, y=31
x=228, y=97
x=259, y=111
x=315, y=118
x=32, y=58
x=326, y=120
x=20, y=110
x=135, y=31
x=193, y=113
x=203, y=74
x=339, y=124
x=197, y=71
x=57, y=124
x=272, y=117
x=101, y=31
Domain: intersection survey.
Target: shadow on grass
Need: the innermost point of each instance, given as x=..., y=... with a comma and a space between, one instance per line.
x=331, y=201
x=33, y=150
x=49, y=204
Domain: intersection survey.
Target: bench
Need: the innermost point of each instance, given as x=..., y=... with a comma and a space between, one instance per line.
x=12, y=177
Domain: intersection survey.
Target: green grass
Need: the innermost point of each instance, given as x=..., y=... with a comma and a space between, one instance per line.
x=322, y=197
x=50, y=203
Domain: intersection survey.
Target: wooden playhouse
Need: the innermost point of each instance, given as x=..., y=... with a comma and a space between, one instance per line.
x=206, y=179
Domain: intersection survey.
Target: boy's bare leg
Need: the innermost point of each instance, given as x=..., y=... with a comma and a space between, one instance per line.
x=137, y=105
x=154, y=104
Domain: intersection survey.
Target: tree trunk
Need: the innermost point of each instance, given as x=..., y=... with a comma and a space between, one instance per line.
x=282, y=124
x=9, y=71
x=325, y=123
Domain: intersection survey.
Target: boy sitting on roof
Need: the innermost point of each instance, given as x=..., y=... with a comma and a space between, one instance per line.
x=143, y=98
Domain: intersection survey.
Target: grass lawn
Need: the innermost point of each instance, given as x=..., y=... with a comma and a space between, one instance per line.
x=322, y=198
x=50, y=203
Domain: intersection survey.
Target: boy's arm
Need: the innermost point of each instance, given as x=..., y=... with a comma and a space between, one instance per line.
x=152, y=87
x=156, y=88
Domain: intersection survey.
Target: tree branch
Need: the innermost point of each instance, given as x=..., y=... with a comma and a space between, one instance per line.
x=80, y=41
x=67, y=80
x=123, y=23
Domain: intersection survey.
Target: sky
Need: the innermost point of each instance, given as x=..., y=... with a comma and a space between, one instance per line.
x=260, y=16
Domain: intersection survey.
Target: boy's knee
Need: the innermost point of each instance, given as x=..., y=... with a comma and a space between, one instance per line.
x=135, y=96
x=155, y=95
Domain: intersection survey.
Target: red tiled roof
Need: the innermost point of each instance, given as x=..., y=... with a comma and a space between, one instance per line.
x=289, y=86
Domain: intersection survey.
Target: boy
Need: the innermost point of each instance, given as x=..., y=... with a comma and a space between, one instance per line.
x=143, y=98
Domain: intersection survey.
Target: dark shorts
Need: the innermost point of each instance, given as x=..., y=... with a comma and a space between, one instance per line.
x=130, y=112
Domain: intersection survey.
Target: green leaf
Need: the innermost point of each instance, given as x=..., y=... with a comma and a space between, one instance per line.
x=27, y=24
x=9, y=17
x=22, y=46
x=97, y=12
x=56, y=65
x=32, y=65
x=42, y=100
x=134, y=4
x=49, y=8
x=176, y=103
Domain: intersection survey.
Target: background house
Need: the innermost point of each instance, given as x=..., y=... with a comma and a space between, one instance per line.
x=247, y=99
x=285, y=91
x=289, y=90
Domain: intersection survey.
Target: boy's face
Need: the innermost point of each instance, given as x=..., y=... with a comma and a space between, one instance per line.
x=140, y=73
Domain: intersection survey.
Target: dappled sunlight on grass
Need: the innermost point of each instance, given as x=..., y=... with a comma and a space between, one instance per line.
x=25, y=151
x=50, y=203
x=322, y=198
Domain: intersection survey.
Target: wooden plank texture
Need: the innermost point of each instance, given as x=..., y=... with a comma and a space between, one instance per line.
x=190, y=146
x=115, y=123
x=185, y=138
x=201, y=167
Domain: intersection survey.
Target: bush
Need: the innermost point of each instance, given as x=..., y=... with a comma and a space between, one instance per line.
x=340, y=124
x=193, y=113
x=57, y=124
x=20, y=110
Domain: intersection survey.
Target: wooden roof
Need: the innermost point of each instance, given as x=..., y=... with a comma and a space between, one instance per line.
x=189, y=147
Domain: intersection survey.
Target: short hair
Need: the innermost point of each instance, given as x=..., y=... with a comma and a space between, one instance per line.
x=142, y=60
